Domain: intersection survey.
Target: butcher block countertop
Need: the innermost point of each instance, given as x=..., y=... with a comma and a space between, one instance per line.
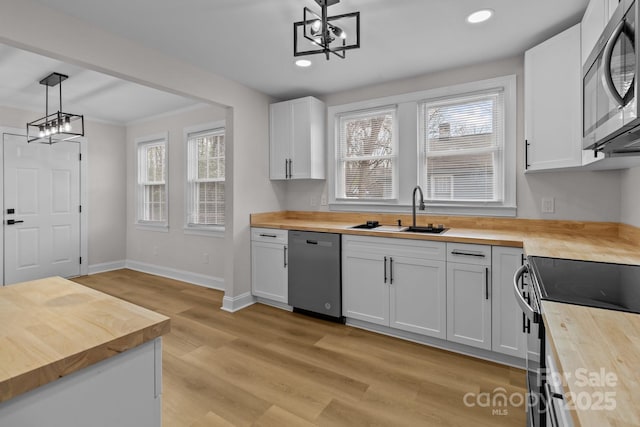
x=591, y=340
x=52, y=327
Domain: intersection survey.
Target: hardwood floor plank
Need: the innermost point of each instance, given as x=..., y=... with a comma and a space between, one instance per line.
x=263, y=366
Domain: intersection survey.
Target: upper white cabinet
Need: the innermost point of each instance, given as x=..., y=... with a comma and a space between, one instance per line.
x=594, y=20
x=552, y=97
x=269, y=264
x=509, y=323
x=396, y=283
x=297, y=139
x=469, y=294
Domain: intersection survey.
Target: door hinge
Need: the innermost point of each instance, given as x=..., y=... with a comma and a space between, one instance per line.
x=80, y=157
x=80, y=260
x=80, y=208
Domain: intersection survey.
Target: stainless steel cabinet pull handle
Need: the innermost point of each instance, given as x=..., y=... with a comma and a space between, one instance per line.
x=486, y=283
x=479, y=255
x=13, y=221
x=390, y=270
x=268, y=235
x=285, y=257
x=385, y=269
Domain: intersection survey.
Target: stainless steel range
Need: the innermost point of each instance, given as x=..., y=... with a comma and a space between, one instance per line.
x=593, y=284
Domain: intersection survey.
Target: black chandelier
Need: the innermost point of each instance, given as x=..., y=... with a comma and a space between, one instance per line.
x=326, y=34
x=58, y=126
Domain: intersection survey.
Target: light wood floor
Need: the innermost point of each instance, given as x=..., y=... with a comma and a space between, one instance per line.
x=263, y=366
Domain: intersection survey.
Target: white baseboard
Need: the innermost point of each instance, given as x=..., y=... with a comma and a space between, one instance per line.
x=172, y=273
x=233, y=304
x=106, y=266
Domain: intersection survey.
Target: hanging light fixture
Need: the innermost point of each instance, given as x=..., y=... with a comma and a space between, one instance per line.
x=326, y=34
x=58, y=126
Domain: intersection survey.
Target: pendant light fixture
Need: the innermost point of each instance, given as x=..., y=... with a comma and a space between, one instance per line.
x=58, y=126
x=320, y=33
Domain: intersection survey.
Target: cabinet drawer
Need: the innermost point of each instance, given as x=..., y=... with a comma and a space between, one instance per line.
x=270, y=235
x=469, y=253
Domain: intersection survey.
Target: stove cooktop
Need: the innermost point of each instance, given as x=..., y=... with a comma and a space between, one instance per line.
x=594, y=284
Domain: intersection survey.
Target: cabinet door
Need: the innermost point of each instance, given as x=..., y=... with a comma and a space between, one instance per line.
x=553, y=119
x=418, y=296
x=508, y=335
x=269, y=271
x=365, y=292
x=469, y=305
x=301, y=143
x=280, y=134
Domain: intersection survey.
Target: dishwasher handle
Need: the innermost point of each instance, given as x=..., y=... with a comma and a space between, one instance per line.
x=312, y=242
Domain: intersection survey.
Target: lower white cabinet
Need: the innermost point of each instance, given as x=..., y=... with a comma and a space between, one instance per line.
x=396, y=283
x=509, y=324
x=469, y=294
x=269, y=264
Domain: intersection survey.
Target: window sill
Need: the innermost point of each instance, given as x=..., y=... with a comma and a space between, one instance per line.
x=501, y=211
x=212, y=231
x=162, y=228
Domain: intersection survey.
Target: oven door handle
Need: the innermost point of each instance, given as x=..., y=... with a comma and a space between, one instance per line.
x=528, y=310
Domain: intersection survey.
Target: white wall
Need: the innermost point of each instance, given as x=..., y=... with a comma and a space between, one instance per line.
x=589, y=196
x=174, y=249
x=106, y=184
x=29, y=25
x=631, y=197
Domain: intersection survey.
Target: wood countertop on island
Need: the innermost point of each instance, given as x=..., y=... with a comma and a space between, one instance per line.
x=53, y=327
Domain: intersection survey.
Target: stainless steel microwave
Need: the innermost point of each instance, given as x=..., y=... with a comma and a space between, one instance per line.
x=609, y=90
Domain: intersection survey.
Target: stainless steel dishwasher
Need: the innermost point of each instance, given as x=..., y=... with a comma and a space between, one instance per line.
x=315, y=279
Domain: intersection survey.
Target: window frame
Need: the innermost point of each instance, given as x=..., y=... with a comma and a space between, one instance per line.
x=409, y=150
x=499, y=176
x=339, y=161
x=200, y=229
x=141, y=143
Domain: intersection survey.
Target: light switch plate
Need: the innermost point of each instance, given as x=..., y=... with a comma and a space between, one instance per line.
x=548, y=205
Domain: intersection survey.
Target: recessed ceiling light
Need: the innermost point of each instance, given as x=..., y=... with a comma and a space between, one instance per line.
x=479, y=16
x=303, y=63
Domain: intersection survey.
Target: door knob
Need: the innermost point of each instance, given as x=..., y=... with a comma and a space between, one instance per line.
x=13, y=221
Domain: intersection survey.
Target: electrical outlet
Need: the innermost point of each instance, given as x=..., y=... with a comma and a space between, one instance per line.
x=313, y=202
x=548, y=205
x=323, y=200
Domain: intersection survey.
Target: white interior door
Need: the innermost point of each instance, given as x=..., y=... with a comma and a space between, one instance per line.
x=41, y=209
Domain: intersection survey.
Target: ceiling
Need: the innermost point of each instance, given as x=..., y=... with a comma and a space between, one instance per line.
x=251, y=42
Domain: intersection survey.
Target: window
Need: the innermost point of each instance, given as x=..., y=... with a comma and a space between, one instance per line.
x=462, y=141
x=366, y=161
x=152, y=183
x=457, y=142
x=205, y=178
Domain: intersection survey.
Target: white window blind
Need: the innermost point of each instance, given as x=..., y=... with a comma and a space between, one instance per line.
x=462, y=140
x=206, y=171
x=366, y=155
x=152, y=189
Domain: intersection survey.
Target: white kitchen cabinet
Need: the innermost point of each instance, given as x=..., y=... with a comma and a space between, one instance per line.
x=396, y=283
x=269, y=264
x=469, y=294
x=297, y=139
x=552, y=91
x=508, y=335
x=595, y=19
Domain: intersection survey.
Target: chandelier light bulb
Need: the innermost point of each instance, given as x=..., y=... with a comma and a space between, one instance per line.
x=41, y=133
x=67, y=124
x=47, y=132
x=54, y=127
x=315, y=26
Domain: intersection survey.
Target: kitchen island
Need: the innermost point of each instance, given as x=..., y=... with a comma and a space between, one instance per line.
x=73, y=356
